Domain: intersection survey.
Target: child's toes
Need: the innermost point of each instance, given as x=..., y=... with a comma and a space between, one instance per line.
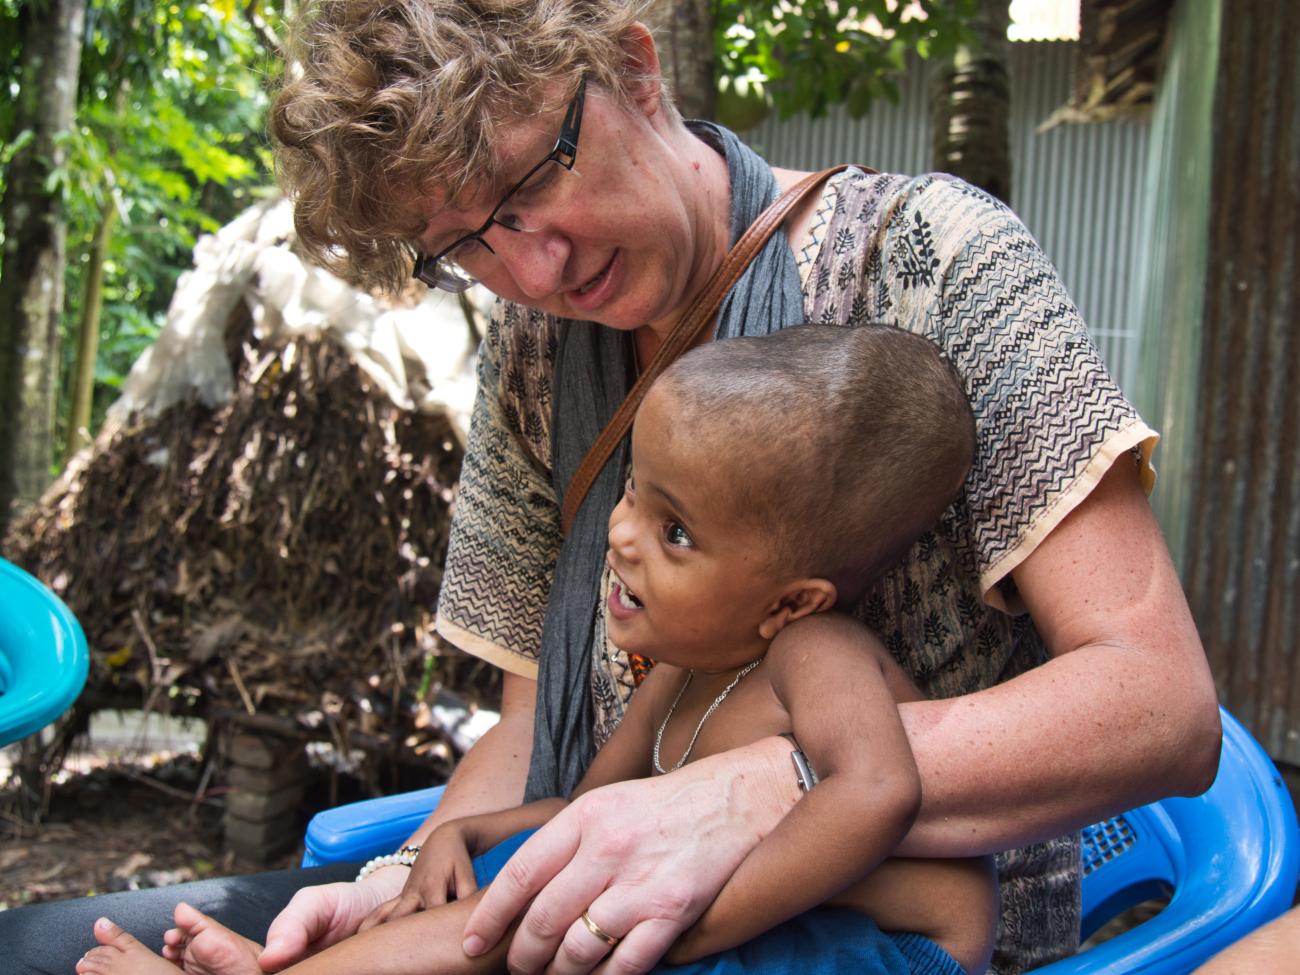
x=174, y=942
x=190, y=921
x=110, y=935
x=98, y=961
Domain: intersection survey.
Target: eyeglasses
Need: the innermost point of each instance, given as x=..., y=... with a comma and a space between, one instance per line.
x=445, y=270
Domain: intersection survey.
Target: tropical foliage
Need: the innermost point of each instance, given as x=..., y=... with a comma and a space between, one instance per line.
x=811, y=54
x=168, y=145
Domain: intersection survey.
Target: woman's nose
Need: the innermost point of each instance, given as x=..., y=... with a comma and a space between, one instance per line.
x=535, y=260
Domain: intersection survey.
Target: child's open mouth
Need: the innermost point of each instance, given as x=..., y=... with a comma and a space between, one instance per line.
x=622, y=595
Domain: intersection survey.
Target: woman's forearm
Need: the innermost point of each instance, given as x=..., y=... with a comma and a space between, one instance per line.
x=492, y=774
x=1124, y=713
x=1082, y=737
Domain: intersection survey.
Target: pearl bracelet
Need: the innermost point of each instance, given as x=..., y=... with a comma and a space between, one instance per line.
x=405, y=857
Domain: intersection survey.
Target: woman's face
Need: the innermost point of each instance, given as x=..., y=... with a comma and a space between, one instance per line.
x=625, y=239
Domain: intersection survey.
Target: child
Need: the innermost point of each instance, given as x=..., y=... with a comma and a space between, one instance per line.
x=773, y=479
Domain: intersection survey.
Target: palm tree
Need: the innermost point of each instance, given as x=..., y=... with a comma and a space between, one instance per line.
x=969, y=103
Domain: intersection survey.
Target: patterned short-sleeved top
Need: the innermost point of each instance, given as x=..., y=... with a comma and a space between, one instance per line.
x=931, y=255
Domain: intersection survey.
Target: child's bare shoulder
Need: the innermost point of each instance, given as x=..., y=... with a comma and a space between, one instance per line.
x=835, y=642
x=825, y=635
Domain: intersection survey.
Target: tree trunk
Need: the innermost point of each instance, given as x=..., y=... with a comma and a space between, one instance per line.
x=92, y=301
x=970, y=100
x=82, y=398
x=683, y=32
x=31, y=280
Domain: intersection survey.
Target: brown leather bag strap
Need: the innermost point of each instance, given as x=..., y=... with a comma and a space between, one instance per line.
x=701, y=314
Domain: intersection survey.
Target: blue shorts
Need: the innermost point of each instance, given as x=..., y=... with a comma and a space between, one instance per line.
x=827, y=941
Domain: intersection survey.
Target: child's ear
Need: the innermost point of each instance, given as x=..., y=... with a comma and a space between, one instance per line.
x=803, y=598
x=641, y=67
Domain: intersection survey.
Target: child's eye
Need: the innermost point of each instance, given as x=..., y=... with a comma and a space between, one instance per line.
x=677, y=536
x=629, y=485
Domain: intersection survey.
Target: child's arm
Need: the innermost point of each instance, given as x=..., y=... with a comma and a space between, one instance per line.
x=443, y=870
x=827, y=671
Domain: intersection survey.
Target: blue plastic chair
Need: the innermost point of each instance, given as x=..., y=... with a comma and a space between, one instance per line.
x=43, y=655
x=1228, y=860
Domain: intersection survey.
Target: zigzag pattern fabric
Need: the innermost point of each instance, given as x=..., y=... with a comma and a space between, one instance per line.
x=928, y=254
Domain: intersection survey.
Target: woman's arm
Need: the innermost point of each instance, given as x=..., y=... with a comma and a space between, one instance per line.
x=1124, y=712
x=490, y=777
x=827, y=672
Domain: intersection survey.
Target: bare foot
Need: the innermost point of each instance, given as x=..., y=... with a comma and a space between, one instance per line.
x=202, y=946
x=120, y=954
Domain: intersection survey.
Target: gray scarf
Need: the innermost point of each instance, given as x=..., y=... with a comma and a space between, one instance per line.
x=593, y=372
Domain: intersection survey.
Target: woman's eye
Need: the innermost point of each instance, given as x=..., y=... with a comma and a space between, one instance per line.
x=467, y=250
x=629, y=485
x=510, y=221
x=538, y=182
x=677, y=536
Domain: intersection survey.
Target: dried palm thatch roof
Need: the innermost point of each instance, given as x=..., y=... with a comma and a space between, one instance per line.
x=1120, y=56
x=261, y=528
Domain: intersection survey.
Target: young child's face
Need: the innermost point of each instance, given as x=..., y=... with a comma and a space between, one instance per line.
x=692, y=582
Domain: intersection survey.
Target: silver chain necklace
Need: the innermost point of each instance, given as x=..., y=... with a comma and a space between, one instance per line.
x=659, y=736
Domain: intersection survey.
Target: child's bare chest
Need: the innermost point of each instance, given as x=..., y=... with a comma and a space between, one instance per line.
x=707, y=719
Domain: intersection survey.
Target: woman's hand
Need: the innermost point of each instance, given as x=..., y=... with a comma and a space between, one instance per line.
x=442, y=872
x=644, y=858
x=318, y=917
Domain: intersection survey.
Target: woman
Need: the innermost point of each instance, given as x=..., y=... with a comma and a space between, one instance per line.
x=530, y=145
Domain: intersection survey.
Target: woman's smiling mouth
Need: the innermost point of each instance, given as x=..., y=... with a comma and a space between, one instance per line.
x=597, y=290
x=594, y=281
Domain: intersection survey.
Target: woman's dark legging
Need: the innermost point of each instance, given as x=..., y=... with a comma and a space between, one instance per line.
x=49, y=938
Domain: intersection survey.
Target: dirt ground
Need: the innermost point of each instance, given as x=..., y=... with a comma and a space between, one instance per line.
x=116, y=827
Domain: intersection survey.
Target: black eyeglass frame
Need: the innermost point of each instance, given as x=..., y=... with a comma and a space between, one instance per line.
x=430, y=269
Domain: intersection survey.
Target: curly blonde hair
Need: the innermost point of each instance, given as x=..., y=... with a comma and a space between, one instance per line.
x=388, y=101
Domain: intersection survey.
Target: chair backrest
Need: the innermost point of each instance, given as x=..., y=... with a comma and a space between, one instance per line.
x=43, y=655
x=1228, y=860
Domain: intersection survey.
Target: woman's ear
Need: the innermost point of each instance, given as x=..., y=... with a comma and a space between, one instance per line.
x=641, y=72
x=803, y=598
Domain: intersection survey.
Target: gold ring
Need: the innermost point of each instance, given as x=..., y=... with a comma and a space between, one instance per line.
x=598, y=931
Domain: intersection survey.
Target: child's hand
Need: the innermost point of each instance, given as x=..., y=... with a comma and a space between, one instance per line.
x=442, y=872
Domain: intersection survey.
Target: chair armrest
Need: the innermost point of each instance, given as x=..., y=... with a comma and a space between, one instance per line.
x=1236, y=868
x=361, y=830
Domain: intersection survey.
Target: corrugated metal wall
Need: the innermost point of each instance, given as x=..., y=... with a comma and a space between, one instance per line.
x=1243, y=577
x=1178, y=182
x=1077, y=187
